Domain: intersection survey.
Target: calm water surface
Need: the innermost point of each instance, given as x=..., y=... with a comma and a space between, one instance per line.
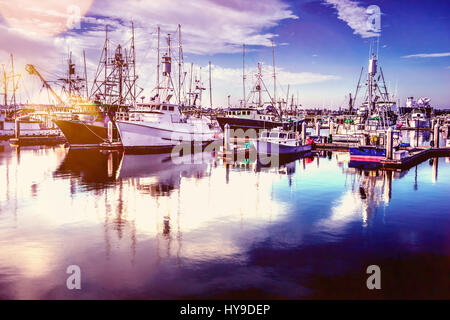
x=142, y=226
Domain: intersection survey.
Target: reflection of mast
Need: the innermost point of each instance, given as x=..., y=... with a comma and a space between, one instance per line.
x=415, y=179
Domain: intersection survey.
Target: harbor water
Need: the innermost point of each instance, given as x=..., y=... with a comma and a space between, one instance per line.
x=152, y=227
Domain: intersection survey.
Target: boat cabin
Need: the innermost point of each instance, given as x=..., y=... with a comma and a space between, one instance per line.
x=156, y=112
x=249, y=113
x=277, y=134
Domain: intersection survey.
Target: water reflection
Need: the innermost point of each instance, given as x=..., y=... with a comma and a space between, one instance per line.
x=151, y=226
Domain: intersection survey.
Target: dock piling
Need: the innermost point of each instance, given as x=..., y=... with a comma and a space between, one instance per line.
x=17, y=129
x=389, y=144
x=318, y=128
x=436, y=135
x=303, y=131
x=226, y=136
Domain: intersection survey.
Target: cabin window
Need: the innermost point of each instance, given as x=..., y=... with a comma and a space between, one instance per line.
x=171, y=108
x=282, y=135
x=274, y=135
x=164, y=108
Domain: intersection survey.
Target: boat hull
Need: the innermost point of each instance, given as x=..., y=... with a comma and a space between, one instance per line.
x=365, y=154
x=246, y=124
x=159, y=137
x=80, y=134
x=269, y=148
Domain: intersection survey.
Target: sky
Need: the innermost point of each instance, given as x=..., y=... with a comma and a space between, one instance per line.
x=320, y=45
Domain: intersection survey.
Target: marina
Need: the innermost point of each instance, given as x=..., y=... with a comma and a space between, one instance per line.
x=238, y=153
x=273, y=225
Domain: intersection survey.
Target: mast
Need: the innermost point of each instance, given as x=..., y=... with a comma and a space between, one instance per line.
x=190, y=85
x=69, y=74
x=357, y=89
x=210, y=86
x=274, y=79
x=258, y=87
x=243, y=75
x=134, y=63
x=179, y=64
x=13, y=84
x=106, y=62
x=5, y=86
x=85, y=75
x=158, y=64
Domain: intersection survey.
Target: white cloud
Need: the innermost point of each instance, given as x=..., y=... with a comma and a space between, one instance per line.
x=355, y=16
x=208, y=27
x=227, y=81
x=428, y=55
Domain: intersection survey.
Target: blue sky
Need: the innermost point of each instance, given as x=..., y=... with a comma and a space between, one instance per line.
x=321, y=45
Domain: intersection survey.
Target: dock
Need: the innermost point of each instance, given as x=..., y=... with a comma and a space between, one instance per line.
x=416, y=156
x=36, y=141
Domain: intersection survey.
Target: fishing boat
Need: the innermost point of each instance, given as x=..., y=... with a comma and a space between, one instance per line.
x=280, y=142
x=161, y=126
x=257, y=113
x=87, y=124
x=89, y=121
x=376, y=114
x=417, y=114
x=249, y=118
x=367, y=153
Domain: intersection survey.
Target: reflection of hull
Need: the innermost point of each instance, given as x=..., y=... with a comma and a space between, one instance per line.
x=367, y=154
x=91, y=165
x=265, y=147
x=159, y=173
x=80, y=134
x=159, y=136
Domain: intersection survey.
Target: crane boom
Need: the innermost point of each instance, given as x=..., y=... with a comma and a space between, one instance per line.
x=32, y=71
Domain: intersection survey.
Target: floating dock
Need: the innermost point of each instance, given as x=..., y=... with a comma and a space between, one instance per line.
x=36, y=141
x=416, y=156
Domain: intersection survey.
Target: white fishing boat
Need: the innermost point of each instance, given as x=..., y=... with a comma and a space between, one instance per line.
x=160, y=127
x=280, y=142
x=418, y=113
